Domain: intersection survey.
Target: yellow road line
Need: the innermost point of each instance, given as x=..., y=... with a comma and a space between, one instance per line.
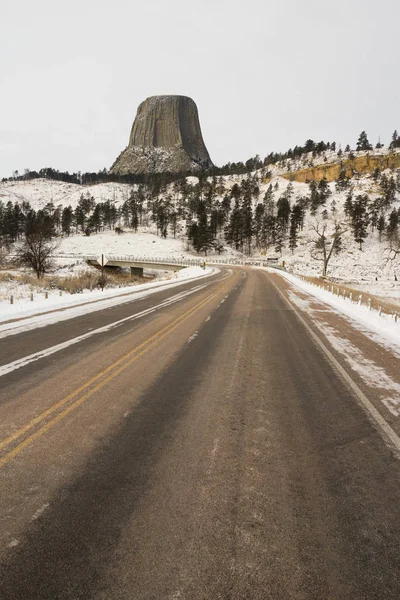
x=137, y=352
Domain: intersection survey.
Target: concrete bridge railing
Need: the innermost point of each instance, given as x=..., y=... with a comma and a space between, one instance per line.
x=138, y=261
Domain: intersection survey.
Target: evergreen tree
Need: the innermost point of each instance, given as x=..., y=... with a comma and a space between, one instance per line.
x=342, y=182
x=381, y=225
x=360, y=219
x=258, y=224
x=95, y=219
x=363, y=142
x=283, y=213
x=200, y=233
x=323, y=191
x=67, y=220
x=348, y=205
x=234, y=229
x=269, y=231
x=296, y=217
x=247, y=222
x=314, y=196
x=392, y=226
x=395, y=143
x=279, y=238
x=269, y=195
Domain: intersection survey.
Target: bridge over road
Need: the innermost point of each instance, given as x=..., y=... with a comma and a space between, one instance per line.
x=138, y=263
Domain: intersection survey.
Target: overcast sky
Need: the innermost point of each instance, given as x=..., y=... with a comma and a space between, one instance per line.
x=265, y=75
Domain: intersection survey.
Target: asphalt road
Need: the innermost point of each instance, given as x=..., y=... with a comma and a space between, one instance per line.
x=206, y=450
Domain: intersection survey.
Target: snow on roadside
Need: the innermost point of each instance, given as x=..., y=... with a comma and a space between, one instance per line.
x=46, y=311
x=382, y=329
x=374, y=375
x=145, y=243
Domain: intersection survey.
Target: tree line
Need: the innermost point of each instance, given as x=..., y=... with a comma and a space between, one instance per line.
x=230, y=168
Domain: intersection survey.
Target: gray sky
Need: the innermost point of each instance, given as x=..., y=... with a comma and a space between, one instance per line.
x=265, y=75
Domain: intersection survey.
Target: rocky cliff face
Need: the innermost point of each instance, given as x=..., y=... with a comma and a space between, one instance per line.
x=359, y=164
x=165, y=136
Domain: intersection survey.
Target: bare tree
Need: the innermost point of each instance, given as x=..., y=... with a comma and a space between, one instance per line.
x=393, y=252
x=4, y=250
x=325, y=244
x=36, y=251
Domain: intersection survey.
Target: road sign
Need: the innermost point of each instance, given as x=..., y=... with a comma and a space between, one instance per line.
x=102, y=260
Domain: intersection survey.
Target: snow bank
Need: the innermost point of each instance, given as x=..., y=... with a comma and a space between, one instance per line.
x=45, y=311
x=382, y=329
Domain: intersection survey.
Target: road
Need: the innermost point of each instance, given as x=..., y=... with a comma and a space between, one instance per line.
x=205, y=450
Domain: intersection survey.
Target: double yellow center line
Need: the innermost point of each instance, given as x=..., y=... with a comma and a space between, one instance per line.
x=81, y=394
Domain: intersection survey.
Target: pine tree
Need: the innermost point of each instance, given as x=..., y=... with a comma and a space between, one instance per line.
x=295, y=220
x=395, y=143
x=348, y=205
x=342, y=182
x=314, y=196
x=247, y=222
x=258, y=223
x=360, y=219
x=392, y=226
x=283, y=213
x=269, y=195
x=381, y=225
x=268, y=231
x=323, y=191
x=67, y=220
x=234, y=229
x=363, y=142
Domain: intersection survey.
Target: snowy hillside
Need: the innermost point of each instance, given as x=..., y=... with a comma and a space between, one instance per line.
x=173, y=210
x=39, y=192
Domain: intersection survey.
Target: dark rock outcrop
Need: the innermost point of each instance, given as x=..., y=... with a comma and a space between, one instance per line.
x=165, y=136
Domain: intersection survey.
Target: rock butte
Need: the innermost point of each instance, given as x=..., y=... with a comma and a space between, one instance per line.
x=165, y=136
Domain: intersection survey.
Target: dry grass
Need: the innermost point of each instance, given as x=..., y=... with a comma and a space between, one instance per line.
x=72, y=284
x=339, y=289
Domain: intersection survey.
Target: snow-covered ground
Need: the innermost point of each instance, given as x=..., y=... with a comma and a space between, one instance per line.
x=39, y=192
x=43, y=311
x=368, y=269
x=144, y=243
x=381, y=328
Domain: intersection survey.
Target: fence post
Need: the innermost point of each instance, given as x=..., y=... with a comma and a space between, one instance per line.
x=369, y=303
x=359, y=299
x=11, y=299
x=31, y=297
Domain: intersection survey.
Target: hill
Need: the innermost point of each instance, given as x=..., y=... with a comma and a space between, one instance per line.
x=277, y=210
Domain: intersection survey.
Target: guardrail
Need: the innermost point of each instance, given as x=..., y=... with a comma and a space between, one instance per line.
x=190, y=262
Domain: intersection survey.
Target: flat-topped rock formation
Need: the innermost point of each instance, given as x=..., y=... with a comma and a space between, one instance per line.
x=165, y=136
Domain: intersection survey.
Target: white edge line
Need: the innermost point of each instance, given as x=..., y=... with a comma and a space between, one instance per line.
x=26, y=360
x=389, y=435
x=16, y=325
